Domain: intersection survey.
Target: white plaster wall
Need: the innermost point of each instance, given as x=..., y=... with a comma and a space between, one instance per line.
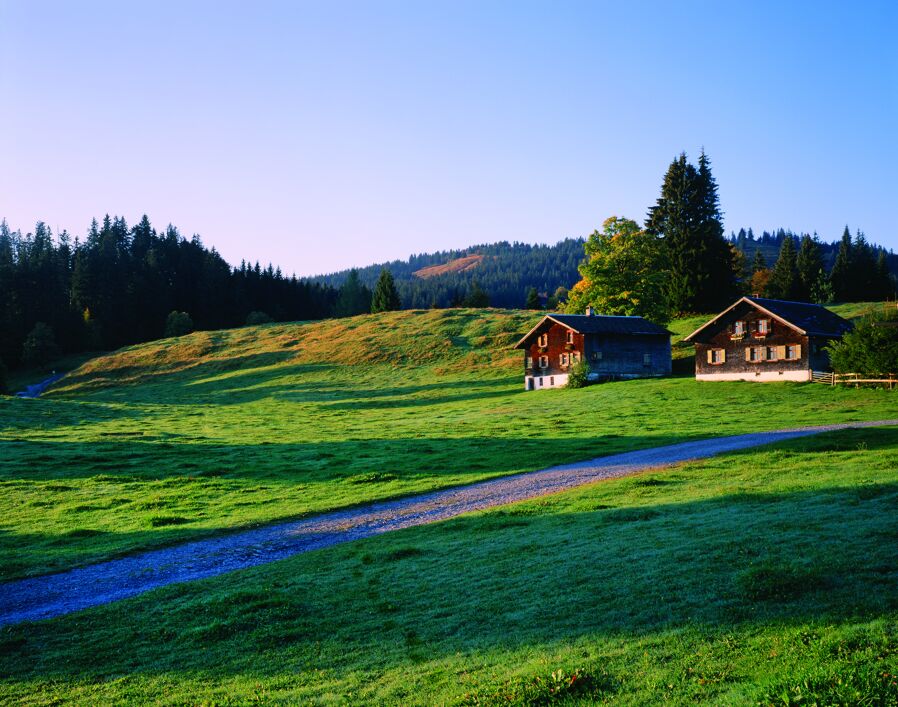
x=560, y=380
x=759, y=377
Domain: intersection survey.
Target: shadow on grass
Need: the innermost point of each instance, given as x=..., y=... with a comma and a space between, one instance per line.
x=519, y=578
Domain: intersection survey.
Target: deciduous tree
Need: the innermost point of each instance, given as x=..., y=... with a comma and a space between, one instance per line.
x=625, y=273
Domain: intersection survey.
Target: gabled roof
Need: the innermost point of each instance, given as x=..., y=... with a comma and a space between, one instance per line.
x=805, y=318
x=599, y=324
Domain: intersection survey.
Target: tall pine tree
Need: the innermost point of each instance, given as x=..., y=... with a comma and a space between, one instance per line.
x=840, y=275
x=810, y=265
x=385, y=298
x=784, y=281
x=703, y=273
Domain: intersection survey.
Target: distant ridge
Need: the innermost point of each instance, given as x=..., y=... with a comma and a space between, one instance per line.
x=505, y=271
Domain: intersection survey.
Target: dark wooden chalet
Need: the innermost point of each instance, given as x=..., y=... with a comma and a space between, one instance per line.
x=761, y=339
x=614, y=348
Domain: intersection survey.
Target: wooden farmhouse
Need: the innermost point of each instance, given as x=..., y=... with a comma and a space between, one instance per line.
x=760, y=339
x=613, y=347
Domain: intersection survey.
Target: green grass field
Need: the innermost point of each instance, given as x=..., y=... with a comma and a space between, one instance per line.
x=750, y=578
x=765, y=577
x=217, y=430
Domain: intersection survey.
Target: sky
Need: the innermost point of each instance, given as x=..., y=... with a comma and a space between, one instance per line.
x=324, y=135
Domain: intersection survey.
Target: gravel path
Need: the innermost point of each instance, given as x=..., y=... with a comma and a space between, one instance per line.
x=57, y=594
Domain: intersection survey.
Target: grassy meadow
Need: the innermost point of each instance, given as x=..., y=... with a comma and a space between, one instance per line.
x=765, y=577
x=201, y=434
x=761, y=577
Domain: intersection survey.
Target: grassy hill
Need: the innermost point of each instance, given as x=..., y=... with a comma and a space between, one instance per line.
x=756, y=577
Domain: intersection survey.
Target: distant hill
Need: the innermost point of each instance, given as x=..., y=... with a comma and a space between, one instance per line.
x=506, y=271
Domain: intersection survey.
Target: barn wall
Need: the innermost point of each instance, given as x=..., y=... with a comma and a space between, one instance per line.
x=620, y=355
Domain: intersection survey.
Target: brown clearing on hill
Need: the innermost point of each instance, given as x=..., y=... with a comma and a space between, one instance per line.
x=457, y=265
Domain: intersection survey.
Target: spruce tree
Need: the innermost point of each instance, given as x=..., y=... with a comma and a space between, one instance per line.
x=385, y=298
x=758, y=263
x=885, y=283
x=703, y=273
x=354, y=297
x=840, y=275
x=784, y=280
x=809, y=264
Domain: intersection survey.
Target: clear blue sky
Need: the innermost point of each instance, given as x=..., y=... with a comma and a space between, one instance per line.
x=330, y=134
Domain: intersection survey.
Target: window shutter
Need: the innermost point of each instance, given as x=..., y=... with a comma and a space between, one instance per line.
x=797, y=351
x=748, y=353
x=781, y=352
x=710, y=353
x=723, y=355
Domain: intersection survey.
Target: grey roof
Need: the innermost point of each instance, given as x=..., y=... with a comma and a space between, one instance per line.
x=600, y=324
x=809, y=319
x=606, y=324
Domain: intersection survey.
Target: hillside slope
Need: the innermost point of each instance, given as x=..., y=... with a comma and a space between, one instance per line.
x=185, y=437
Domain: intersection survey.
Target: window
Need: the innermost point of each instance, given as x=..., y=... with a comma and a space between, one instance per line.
x=753, y=354
x=770, y=353
x=564, y=359
x=528, y=362
x=575, y=357
x=543, y=340
x=543, y=361
x=739, y=328
x=596, y=355
x=647, y=359
x=763, y=326
x=570, y=336
x=717, y=356
x=793, y=352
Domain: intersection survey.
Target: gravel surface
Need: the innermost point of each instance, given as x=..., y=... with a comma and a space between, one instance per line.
x=57, y=594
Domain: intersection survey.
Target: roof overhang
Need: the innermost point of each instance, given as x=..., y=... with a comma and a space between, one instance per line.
x=542, y=321
x=741, y=300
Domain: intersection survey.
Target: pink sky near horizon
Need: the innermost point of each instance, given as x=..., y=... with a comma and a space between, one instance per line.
x=322, y=137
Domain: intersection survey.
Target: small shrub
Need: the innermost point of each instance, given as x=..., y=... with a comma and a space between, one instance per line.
x=579, y=376
x=40, y=346
x=256, y=318
x=178, y=324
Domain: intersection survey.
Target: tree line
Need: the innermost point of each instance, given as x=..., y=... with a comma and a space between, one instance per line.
x=680, y=262
x=121, y=284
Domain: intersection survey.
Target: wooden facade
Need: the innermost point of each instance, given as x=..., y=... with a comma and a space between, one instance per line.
x=766, y=340
x=613, y=347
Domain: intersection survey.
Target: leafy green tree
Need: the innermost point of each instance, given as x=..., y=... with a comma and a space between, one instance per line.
x=625, y=273
x=178, y=324
x=809, y=264
x=476, y=297
x=385, y=298
x=533, y=299
x=870, y=349
x=784, y=281
x=40, y=345
x=557, y=299
x=687, y=215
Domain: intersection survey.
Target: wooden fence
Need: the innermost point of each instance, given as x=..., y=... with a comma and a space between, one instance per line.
x=854, y=379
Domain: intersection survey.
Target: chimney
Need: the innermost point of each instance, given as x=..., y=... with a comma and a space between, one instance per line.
x=590, y=311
